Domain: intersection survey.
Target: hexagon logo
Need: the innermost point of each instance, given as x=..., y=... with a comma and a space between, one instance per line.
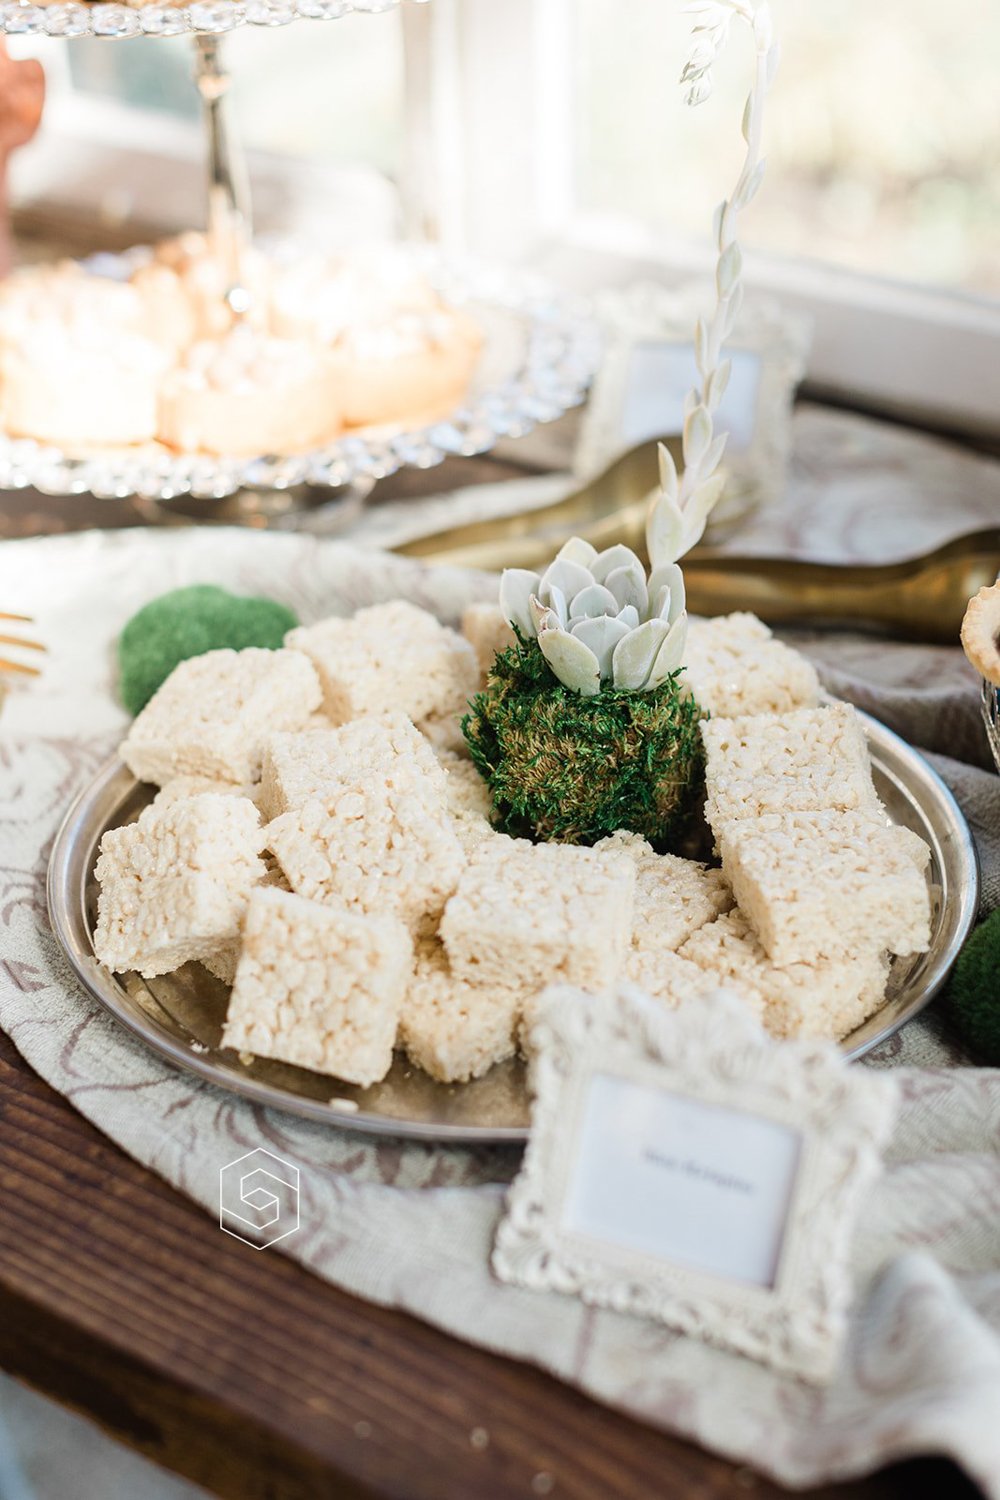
x=259, y=1198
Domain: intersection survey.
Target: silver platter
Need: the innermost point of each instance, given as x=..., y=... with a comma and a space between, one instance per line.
x=541, y=352
x=180, y=1015
x=208, y=17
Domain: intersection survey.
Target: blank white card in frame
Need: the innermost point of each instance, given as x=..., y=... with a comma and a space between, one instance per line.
x=659, y=376
x=701, y=1185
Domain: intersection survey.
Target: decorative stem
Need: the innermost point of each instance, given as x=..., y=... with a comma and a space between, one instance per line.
x=678, y=515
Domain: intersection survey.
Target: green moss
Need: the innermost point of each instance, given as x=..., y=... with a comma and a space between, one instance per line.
x=565, y=767
x=974, y=991
x=188, y=622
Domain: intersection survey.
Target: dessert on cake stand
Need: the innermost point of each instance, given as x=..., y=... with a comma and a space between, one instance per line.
x=498, y=350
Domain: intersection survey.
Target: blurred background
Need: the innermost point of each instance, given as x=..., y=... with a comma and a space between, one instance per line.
x=884, y=137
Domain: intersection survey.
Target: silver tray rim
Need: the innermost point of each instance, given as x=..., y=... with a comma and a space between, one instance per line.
x=72, y=859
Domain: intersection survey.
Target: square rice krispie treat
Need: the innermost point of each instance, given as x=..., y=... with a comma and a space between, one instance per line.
x=823, y=884
x=465, y=789
x=179, y=788
x=486, y=629
x=389, y=657
x=804, y=761
x=530, y=914
x=212, y=715
x=673, y=896
x=444, y=732
x=223, y=964
x=472, y=829
x=318, y=987
x=733, y=665
x=298, y=767
x=174, y=886
x=675, y=980
x=375, y=845
x=823, y=999
x=452, y=1029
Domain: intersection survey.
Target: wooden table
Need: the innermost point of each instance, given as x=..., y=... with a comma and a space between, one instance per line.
x=241, y=1370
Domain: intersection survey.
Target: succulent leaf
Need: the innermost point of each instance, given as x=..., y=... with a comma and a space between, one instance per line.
x=591, y=602
x=667, y=580
x=668, y=471
x=601, y=636
x=516, y=588
x=557, y=600
x=572, y=661
x=568, y=576
x=635, y=654
x=611, y=558
x=576, y=550
x=664, y=531
x=671, y=653
x=628, y=584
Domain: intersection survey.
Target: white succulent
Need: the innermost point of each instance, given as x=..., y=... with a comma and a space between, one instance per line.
x=598, y=618
x=596, y=615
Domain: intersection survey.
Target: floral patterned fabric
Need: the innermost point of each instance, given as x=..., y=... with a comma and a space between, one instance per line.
x=411, y=1225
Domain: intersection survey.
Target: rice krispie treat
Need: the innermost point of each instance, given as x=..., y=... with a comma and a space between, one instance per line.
x=223, y=964
x=733, y=665
x=675, y=980
x=174, y=885
x=444, y=732
x=374, y=845
x=319, y=987
x=179, y=788
x=673, y=896
x=214, y=712
x=821, y=884
x=530, y=914
x=802, y=761
x=486, y=629
x=452, y=1029
x=389, y=657
x=465, y=789
x=827, y=998
x=299, y=767
x=472, y=829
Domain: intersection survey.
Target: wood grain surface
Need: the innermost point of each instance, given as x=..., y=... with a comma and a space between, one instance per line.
x=240, y=1370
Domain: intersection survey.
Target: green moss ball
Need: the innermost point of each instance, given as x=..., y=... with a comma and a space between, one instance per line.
x=188, y=622
x=974, y=991
x=561, y=766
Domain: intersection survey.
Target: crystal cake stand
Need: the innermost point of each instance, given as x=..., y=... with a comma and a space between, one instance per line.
x=541, y=350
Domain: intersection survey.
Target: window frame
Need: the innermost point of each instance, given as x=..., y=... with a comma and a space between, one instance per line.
x=494, y=174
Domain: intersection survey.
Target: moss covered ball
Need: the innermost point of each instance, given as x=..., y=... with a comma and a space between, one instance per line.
x=561, y=766
x=974, y=991
x=188, y=622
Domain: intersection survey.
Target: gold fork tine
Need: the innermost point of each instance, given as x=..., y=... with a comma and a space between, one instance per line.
x=16, y=640
x=7, y=664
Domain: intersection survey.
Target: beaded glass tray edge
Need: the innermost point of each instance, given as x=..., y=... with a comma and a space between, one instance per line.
x=559, y=355
x=205, y=17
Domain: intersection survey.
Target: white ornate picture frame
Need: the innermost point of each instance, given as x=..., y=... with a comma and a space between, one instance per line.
x=649, y=365
x=805, y=1132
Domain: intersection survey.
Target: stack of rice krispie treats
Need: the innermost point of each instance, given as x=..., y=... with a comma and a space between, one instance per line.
x=321, y=843
x=825, y=888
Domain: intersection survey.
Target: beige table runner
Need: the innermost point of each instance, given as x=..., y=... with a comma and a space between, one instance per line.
x=411, y=1225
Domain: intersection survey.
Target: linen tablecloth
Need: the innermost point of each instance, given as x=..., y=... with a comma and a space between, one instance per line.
x=411, y=1225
